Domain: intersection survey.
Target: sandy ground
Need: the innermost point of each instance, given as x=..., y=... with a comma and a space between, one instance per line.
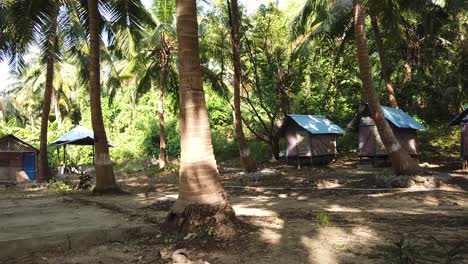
x=282, y=211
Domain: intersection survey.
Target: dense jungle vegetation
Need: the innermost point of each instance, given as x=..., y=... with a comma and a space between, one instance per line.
x=290, y=63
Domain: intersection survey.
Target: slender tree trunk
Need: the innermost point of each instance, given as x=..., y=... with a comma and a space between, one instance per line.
x=105, y=180
x=402, y=163
x=43, y=158
x=275, y=148
x=383, y=61
x=408, y=69
x=202, y=201
x=164, y=63
x=248, y=162
x=56, y=103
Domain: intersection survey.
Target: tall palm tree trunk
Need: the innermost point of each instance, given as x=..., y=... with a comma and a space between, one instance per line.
x=202, y=201
x=248, y=162
x=164, y=64
x=402, y=163
x=105, y=180
x=383, y=62
x=43, y=158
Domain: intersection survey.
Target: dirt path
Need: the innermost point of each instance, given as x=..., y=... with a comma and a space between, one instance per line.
x=287, y=225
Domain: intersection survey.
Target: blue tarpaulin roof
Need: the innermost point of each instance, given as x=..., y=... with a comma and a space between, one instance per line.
x=400, y=118
x=79, y=135
x=316, y=124
x=395, y=116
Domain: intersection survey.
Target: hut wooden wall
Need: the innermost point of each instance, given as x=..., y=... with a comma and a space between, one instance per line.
x=301, y=142
x=323, y=144
x=370, y=143
x=298, y=142
x=366, y=141
x=10, y=163
x=464, y=140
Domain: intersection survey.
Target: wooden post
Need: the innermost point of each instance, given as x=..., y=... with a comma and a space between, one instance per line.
x=311, y=151
x=94, y=153
x=64, y=153
x=297, y=153
x=462, y=154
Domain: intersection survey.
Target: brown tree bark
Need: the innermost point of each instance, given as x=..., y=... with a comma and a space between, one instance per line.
x=164, y=65
x=105, y=180
x=248, y=162
x=383, y=61
x=43, y=158
x=202, y=201
x=402, y=163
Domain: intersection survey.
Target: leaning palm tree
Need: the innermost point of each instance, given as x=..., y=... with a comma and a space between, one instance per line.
x=401, y=161
x=202, y=201
x=333, y=20
x=315, y=19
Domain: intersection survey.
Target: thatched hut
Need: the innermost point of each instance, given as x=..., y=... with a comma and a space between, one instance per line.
x=309, y=138
x=462, y=121
x=18, y=160
x=370, y=144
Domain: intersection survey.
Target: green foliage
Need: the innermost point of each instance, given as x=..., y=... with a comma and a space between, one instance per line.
x=322, y=219
x=260, y=150
x=279, y=76
x=210, y=231
x=59, y=186
x=439, y=139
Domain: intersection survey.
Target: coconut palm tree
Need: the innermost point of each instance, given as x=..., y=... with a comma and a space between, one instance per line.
x=28, y=20
x=164, y=38
x=202, y=201
x=105, y=179
x=401, y=161
x=152, y=60
x=247, y=161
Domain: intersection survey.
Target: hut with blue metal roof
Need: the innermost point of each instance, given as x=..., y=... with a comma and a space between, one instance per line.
x=403, y=125
x=462, y=121
x=310, y=138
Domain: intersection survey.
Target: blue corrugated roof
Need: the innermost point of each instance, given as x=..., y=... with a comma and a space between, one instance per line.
x=317, y=124
x=400, y=118
x=76, y=134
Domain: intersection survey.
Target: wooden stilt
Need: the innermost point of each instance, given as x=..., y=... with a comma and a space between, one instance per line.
x=64, y=155
x=464, y=164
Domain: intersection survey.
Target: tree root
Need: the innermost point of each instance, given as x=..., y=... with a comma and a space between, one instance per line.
x=218, y=221
x=110, y=190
